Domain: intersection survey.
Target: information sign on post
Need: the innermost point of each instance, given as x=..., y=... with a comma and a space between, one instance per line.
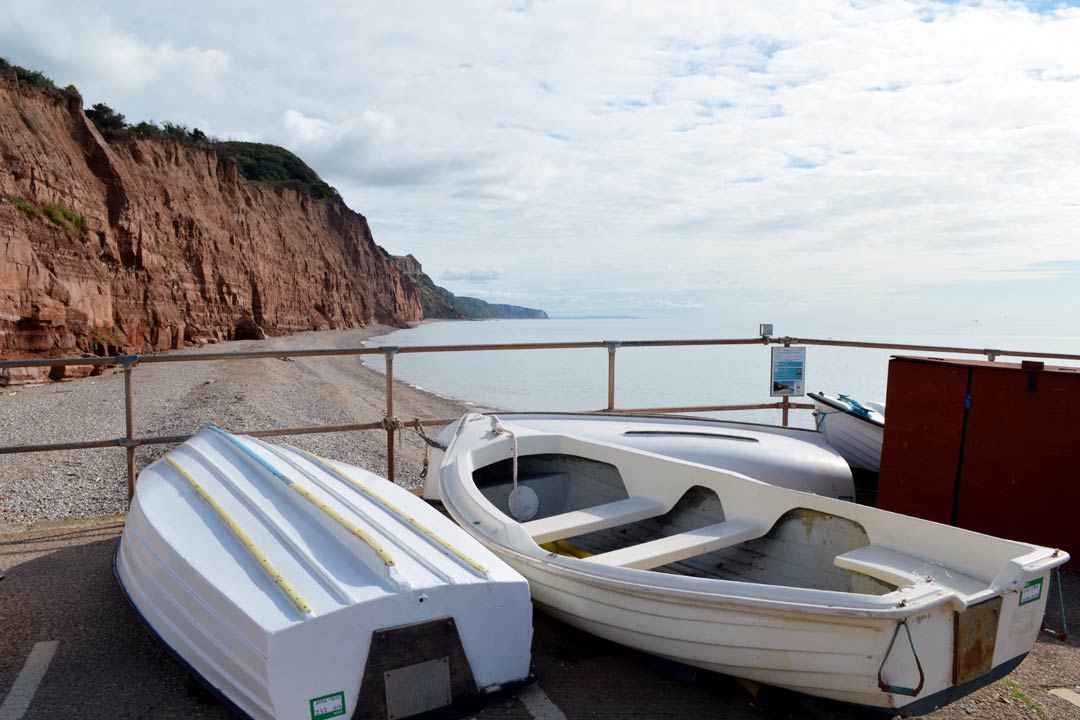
x=788, y=372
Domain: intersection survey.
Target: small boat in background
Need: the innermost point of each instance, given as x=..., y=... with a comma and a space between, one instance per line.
x=789, y=457
x=710, y=568
x=853, y=429
x=296, y=587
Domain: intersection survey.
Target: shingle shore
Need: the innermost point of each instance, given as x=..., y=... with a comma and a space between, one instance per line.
x=175, y=399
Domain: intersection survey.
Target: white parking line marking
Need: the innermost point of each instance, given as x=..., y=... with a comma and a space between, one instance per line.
x=1067, y=694
x=536, y=702
x=26, y=684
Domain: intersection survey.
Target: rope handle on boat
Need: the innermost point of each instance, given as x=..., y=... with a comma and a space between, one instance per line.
x=1063, y=633
x=899, y=689
x=821, y=415
x=497, y=428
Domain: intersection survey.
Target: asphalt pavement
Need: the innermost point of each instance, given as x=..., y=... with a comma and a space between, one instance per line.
x=71, y=647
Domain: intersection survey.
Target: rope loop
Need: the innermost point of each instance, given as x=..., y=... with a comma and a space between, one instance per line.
x=430, y=441
x=819, y=418
x=899, y=689
x=392, y=423
x=497, y=428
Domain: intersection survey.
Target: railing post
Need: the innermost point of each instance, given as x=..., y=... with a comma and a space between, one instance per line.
x=388, y=421
x=785, y=403
x=128, y=363
x=611, y=346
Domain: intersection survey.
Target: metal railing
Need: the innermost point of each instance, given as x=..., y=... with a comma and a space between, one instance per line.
x=391, y=424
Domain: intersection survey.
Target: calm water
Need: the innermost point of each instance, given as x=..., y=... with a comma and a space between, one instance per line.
x=651, y=377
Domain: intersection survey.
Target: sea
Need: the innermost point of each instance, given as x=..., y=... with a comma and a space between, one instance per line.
x=575, y=380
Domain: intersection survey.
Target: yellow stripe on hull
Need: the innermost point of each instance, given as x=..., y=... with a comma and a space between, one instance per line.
x=566, y=549
x=245, y=540
x=351, y=527
x=393, y=508
x=345, y=523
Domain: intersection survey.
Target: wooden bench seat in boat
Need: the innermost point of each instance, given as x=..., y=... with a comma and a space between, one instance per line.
x=674, y=548
x=598, y=517
x=902, y=570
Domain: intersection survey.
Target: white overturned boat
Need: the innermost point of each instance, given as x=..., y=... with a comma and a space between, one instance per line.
x=788, y=457
x=854, y=429
x=713, y=569
x=295, y=587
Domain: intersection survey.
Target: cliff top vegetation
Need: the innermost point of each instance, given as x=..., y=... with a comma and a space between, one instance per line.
x=257, y=162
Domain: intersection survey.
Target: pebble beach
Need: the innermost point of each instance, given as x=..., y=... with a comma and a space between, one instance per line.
x=177, y=399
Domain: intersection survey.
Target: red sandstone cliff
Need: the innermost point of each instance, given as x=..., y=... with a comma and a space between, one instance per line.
x=177, y=248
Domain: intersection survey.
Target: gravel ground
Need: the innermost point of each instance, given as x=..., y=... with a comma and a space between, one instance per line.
x=175, y=399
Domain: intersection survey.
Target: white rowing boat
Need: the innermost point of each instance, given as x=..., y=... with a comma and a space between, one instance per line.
x=295, y=587
x=711, y=568
x=789, y=457
x=854, y=429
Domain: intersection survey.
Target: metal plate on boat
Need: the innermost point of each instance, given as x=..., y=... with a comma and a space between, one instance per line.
x=414, y=689
x=975, y=633
x=422, y=665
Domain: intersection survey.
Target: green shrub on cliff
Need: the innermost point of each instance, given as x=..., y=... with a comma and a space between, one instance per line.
x=259, y=162
x=25, y=208
x=108, y=122
x=35, y=78
x=72, y=223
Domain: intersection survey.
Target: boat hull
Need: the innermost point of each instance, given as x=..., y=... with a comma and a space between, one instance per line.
x=860, y=605
x=829, y=655
x=855, y=438
x=275, y=645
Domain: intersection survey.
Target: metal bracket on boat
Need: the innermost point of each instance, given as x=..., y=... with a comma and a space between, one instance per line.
x=991, y=355
x=388, y=350
x=128, y=442
x=127, y=361
x=899, y=689
x=612, y=345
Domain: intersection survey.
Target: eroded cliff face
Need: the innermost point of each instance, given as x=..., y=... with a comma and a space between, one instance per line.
x=176, y=247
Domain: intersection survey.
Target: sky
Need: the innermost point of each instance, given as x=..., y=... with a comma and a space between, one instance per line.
x=879, y=164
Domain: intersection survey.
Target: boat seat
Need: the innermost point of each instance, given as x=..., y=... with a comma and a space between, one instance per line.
x=674, y=548
x=902, y=570
x=598, y=517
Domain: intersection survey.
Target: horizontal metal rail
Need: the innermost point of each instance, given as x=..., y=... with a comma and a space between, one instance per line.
x=989, y=352
x=381, y=350
x=419, y=349
x=710, y=408
x=175, y=439
x=391, y=424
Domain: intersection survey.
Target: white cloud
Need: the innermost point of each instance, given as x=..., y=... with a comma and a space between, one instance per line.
x=80, y=42
x=473, y=275
x=688, y=156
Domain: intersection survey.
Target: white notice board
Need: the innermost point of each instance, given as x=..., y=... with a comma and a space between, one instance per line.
x=788, y=375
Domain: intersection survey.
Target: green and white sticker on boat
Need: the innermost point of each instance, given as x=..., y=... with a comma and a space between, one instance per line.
x=1032, y=591
x=328, y=706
